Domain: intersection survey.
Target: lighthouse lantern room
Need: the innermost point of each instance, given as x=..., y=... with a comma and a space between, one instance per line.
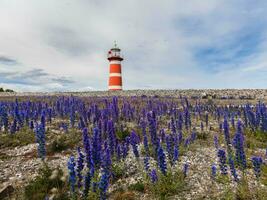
x=115, y=77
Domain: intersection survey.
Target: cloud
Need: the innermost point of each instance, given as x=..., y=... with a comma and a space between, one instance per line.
x=179, y=44
x=35, y=79
x=7, y=61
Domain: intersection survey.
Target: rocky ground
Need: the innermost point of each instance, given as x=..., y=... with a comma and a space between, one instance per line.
x=20, y=164
x=201, y=93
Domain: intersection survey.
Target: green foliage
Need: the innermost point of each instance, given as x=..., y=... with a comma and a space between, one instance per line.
x=23, y=137
x=228, y=194
x=121, y=135
x=117, y=172
x=264, y=175
x=41, y=186
x=243, y=191
x=59, y=144
x=171, y=184
x=224, y=179
x=257, y=139
x=202, y=135
x=139, y=187
x=64, y=142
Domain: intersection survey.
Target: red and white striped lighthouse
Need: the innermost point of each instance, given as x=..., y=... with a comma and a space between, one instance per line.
x=115, y=78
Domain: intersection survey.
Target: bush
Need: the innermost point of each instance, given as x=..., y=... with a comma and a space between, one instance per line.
x=139, y=187
x=59, y=144
x=41, y=186
x=23, y=137
x=121, y=135
x=117, y=172
x=169, y=185
x=64, y=142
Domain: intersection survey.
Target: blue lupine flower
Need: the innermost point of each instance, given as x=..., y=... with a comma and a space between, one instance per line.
x=146, y=163
x=216, y=142
x=40, y=139
x=222, y=159
x=232, y=167
x=96, y=147
x=80, y=166
x=238, y=143
x=202, y=126
x=169, y=148
x=176, y=153
x=103, y=185
x=134, y=144
x=87, y=148
x=153, y=176
x=111, y=136
x=213, y=171
x=72, y=173
x=257, y=162
x=106, y=158
x=239, y=126
x=87, y=183
x=162, y=161
x=226, y=131
x=72, y=116
x=185, y=169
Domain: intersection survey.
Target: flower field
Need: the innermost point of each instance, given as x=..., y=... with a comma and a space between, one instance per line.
x=132, y=147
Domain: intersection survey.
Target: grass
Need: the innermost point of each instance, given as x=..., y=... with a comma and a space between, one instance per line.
x=117, y=172
x=257, y=139
x=42, y=185
x=139, y=187
x=64, y=141
x=24, y=137
x=169, y=185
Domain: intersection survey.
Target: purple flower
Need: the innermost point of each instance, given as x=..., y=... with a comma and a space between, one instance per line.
x=133, y=141
x=72, y=174
x=216, y=143
x=226, y=131
x=213, y=171
x=222, y=160
x=40, y=139
x=232, y=167
x=80, y=166
x=240, y=156
x=257, y=162
x=153, y=176
x=162, y=161
x=103, y=185
x=146, y=163
x=185, y=169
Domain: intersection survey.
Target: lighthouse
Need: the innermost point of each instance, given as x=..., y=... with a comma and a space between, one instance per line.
x=115, y=78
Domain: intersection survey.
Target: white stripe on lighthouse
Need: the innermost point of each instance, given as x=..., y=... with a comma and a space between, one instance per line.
x=114, y=87
x=115, y=62
x=114, y=74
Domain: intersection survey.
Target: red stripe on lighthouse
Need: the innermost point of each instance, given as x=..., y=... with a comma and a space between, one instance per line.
x=115, y=80
x=115, y=68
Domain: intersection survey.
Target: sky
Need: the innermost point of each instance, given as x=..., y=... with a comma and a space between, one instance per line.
x=62, y=45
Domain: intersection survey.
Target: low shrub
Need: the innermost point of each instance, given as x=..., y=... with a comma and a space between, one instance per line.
x=48, y=182
x=169, y=185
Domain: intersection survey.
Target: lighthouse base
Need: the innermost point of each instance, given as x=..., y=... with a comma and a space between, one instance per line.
x=114, y=87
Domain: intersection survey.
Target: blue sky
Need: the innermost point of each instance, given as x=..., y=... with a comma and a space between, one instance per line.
x=61, y=45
